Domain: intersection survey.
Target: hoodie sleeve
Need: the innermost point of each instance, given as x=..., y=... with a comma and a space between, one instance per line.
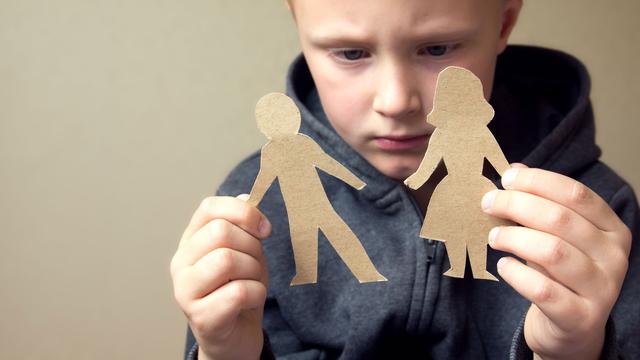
x=622, y=326
x=520, y=350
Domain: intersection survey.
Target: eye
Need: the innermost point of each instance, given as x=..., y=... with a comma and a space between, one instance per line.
x=351, y=54
x=436, y=50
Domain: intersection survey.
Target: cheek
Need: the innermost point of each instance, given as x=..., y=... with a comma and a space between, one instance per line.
x=484, y=69
x=428, y=90
x=345, y=102
x=344, y=109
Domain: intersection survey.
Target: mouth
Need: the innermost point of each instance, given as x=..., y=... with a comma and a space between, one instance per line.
x=401, y=143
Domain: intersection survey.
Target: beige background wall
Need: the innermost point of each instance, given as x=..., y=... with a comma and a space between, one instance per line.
x=118, y=116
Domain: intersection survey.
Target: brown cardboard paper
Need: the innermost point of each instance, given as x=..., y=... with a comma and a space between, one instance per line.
x=462, y=140
x=292, y=158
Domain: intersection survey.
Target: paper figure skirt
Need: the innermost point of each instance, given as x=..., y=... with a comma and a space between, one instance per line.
x=455, y=213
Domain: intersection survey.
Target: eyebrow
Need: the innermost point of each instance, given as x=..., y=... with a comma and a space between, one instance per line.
x=329, y=37
x=333, y=34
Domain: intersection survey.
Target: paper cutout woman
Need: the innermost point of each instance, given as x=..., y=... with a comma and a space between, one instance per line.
x=462, y=140
x=293, y=158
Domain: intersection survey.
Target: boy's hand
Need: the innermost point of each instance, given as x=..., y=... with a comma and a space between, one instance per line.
x=220, y=277
x=576, y=250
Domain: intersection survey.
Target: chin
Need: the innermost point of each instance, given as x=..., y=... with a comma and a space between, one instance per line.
x=396, y=166
x=399, y=173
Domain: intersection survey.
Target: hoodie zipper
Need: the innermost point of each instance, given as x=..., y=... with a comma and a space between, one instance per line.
x=430, y=250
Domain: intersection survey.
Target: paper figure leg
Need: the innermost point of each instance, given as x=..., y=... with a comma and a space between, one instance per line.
x=350, y=250
x=304, y=241
x=457, y=253
x=478, y=260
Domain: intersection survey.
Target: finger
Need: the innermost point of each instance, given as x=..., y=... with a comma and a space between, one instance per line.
x=566, y=191
x=563, y=307
x=557, y=258
x=519, y=165
x=219, y=233
x=216, y=269
x=218, y=311
x=234, y=210
x=547, y=216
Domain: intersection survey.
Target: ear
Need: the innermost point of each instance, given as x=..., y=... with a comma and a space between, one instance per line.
x=510, y=11
x=289, y=5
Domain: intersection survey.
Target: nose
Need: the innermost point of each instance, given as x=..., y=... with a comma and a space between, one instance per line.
x=397, y=95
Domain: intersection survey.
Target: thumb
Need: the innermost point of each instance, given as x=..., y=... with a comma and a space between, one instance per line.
x=519, y=165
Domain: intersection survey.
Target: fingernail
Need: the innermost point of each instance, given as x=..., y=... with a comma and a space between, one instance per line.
x=487, y=199
x=243, y=197
x=509, y=177
x=264, y=227
x=493, y=234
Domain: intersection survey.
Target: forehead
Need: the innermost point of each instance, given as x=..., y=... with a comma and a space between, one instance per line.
x=404, y=16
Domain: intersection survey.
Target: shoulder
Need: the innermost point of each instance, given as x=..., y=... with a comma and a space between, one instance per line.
x=241, y=178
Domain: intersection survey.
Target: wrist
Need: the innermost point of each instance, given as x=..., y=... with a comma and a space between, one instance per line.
x=589, y=348
x=236, y=352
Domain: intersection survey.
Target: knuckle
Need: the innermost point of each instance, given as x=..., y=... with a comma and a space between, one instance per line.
x=247, y=216
x=180, y=295
x=238, y=292
x=203, y=321
x=610, y=292
x=177, y=295
x=505, y=234
x=174, y=266
x=620, y=257
x=580, y=194
x=219, y=229
x=590, y=316
x=198, y=322
x=224, y=261
x=554, y=253
x=558, y=218
x=530, y=178
x=626, y=238
x=261, y=293
x=621, y=261
x=543, y=293
x=507, y=201
x=206, y=203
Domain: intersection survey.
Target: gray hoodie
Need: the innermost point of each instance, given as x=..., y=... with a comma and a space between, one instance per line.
x=543, y=119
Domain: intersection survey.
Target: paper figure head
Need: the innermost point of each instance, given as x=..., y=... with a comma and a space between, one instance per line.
x=277, y=115
x=459, y=100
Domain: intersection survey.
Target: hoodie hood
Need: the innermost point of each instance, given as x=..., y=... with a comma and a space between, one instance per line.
x=543, y=116
x=544, y=119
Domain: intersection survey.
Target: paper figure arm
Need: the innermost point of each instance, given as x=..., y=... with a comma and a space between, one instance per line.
x=266, y=176
x=429, y=163
x=332, y=167
x=494, y=154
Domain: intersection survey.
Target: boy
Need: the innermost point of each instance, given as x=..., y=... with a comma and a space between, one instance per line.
x=364, y=86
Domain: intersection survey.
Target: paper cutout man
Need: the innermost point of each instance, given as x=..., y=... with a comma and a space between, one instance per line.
x=293, y=158
x=462, y=140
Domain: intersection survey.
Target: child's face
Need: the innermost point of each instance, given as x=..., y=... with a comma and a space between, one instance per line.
x=375, y=64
